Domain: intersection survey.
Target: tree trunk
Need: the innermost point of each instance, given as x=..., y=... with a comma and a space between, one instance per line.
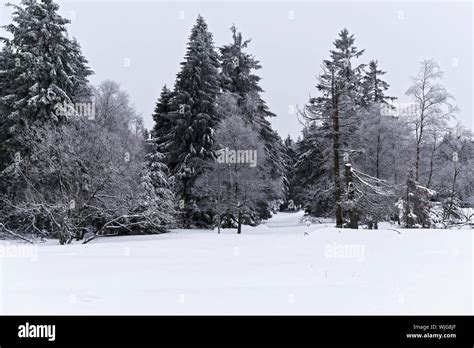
x=453, y=187
x=394, y=163
x=185, y=197
x=407, y=206
x=337, y=182
x=417, y=163
x=430, y=175
x=239, y=222
x=350, y=195
x=418, y=145
x=377, y=160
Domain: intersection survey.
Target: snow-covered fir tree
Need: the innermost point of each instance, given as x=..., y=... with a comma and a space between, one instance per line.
x=336, y=108
x=163, y=128
x=45, y=71
x=290, y=157
x=157, y=204
x=194, y=116
x=312, y=179
x=373, y=86
x=7, y=64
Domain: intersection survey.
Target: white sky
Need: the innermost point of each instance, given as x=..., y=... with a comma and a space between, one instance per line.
x=289, y=38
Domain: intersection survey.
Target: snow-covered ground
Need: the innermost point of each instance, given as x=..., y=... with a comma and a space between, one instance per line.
x=281, y=267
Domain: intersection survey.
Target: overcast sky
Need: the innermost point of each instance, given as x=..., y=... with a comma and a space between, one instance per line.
x=141, y=44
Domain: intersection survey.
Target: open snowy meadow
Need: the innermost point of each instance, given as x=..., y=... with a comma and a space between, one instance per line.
x=283, y=266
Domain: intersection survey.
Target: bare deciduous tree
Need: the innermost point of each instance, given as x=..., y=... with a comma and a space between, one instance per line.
x=433, y=105
x=237, y=180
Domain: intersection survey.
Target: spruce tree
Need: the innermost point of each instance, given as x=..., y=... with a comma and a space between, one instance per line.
x=42, y=74
x=45, y=69
x=157, y=201
x=290, y=161
x=373, y=87
x=162, y=132
x=194, y=114
x=238, y=77
x=336, y=107
x=7, y=64
x=155, y=180
x=312, y=175
x=237, y=68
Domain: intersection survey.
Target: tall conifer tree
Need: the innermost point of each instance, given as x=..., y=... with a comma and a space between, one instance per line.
x=45, y=70
x=336, y=107
x=194, y=114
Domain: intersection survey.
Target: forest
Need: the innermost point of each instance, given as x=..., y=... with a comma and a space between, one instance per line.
x=76, y=159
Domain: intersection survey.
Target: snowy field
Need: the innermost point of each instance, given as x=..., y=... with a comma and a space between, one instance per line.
x=281, y=267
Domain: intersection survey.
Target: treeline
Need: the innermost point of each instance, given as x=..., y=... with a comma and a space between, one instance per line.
x=76, y=158
x=363, y=157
